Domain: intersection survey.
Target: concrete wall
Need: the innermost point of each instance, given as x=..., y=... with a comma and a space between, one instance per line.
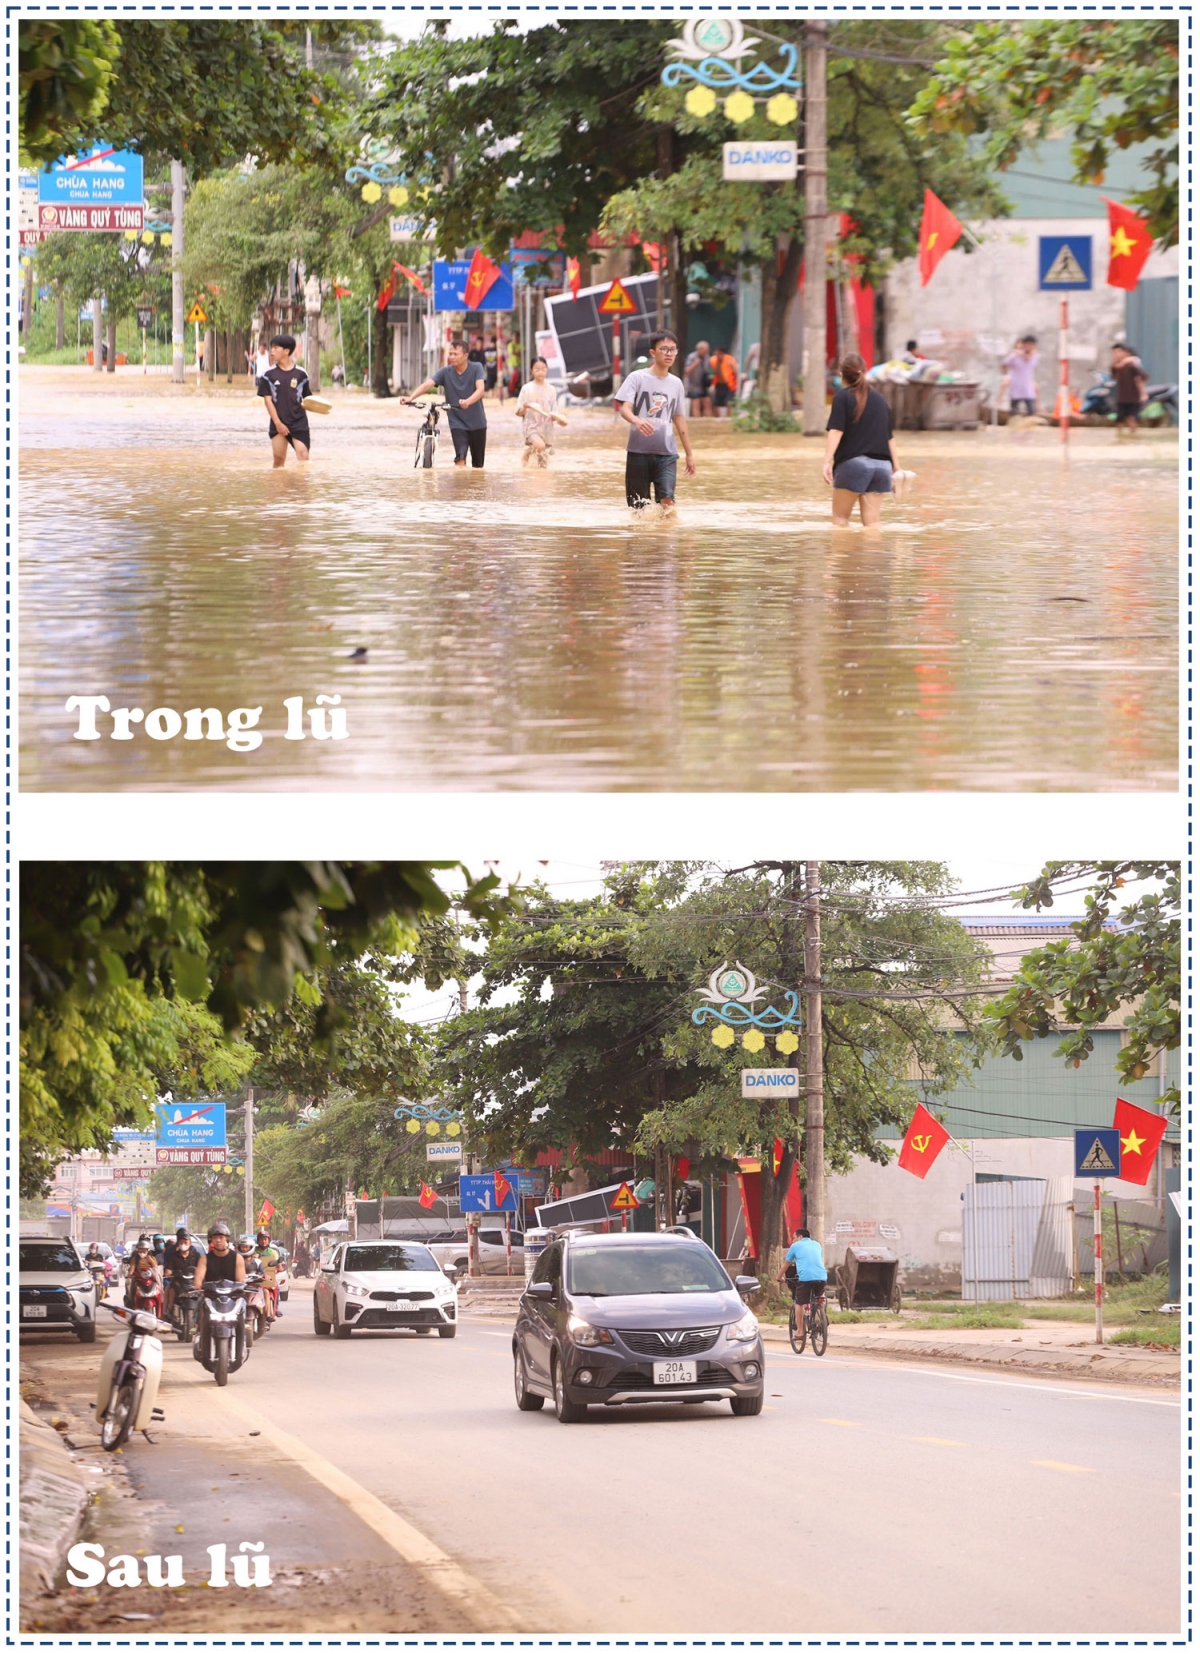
x=921, y=1220
x=952, y=318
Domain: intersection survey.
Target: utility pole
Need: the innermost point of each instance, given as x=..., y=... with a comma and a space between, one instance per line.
x=815, y=222
x=250, y=1161
x=177, y=309
x=814, y=1136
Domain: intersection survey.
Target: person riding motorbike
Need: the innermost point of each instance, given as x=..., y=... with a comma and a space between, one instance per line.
x=95, y=1261
x=128, y=1267
x=258, y=1299
x=221, y=1262
x=146, y=1279
x=180, y=1256
x=267, y=1254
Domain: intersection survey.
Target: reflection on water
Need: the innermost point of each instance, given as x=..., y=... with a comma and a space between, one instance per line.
x=1013, y=627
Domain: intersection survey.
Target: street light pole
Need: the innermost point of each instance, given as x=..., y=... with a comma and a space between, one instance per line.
x=250, y=1161
x=814, y=1137
x=177, y=310
x=815, y=228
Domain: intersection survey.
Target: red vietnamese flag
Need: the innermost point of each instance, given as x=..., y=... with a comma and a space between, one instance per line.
x=573, y=277
x=939, y=231
x=502, y=1187
x=266, y=1211
x=1141, y=1135
x=300, y=1217
x=427, y=1196
x=923, y=1142
x=385, y=297
x=412, y=276
x=1129, y=246
x=341, y=292
x=777, y=1148
x=682, y=1167
x=481, y=278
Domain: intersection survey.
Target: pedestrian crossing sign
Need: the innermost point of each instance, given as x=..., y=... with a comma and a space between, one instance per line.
x=1098, y=1151
x=624, y=1200
x=1064, y=263
x=616, y=302
x=196, y=314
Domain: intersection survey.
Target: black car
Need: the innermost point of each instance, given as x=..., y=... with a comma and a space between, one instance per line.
x=620, y=1320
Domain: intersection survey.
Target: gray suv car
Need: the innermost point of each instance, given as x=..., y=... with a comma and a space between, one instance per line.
x=620, y=1320
x=55, y=1287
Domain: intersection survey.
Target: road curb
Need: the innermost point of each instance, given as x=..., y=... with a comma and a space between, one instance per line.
x=54, y=1497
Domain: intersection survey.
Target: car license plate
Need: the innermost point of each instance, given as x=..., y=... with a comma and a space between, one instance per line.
x=396, y=1308
x=674, y=1372
x=35, y=1312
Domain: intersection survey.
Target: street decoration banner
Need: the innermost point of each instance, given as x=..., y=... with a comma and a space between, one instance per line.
x=923, y=1142
x=1129, y=245
x=1141, y=1138
x=939, y=231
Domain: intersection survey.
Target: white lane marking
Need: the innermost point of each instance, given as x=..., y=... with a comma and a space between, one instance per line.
x=484, y=1610
x=1036, y=1384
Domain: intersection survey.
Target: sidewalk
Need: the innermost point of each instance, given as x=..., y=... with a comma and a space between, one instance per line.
x=54, y=1496
x=1060, y=1349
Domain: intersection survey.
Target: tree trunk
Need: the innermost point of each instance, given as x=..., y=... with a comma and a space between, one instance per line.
x=679, y=310
x=112, y=343
x=381, y=353
x=60, y=324
x=778, y=297
x=772, y=1243
x=210, y=353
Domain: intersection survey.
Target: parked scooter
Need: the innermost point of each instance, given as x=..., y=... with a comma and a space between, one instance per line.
x=129, y=1376
x=1102, y=399
x=220, y=1344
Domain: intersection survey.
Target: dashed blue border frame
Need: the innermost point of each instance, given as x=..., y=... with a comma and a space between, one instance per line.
x=969, y=9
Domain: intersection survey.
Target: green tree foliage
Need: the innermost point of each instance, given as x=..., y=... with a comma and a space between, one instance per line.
x=203, y=92
x=1119, y=958
x=121, y=962
x=524, y=131
x=879, y=168
x=355, y=1142
x=1108, y=85
x=65, y=69
x=82, y=267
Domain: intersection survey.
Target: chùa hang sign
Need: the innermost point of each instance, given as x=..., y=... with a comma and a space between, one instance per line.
x=709, y=54
x=732, y=1002
x=430, y=1119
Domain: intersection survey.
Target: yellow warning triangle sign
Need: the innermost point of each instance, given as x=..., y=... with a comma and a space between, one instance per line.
x=616, y=302
x=196, y=314
x=624, y=1200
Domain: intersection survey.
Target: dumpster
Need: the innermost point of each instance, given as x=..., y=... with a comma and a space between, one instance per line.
x=953, y=407
x=868, y=1278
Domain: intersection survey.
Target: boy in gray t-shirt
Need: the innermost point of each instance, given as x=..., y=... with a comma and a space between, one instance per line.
x=651, y=402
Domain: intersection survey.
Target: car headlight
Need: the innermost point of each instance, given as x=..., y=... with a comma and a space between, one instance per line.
x=353, y=1291
x=744, y=1331
x=583, y=1332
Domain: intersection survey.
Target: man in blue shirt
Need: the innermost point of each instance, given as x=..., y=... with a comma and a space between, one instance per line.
x=808, y=1260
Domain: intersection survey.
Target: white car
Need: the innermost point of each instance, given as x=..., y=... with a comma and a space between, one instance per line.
x=452, y=1252
x=383, y=1284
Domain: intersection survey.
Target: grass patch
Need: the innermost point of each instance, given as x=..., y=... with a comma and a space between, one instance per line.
x=1159, y=1332
x=981, y=1319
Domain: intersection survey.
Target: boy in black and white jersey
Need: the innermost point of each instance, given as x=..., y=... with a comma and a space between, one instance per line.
x=283, y=388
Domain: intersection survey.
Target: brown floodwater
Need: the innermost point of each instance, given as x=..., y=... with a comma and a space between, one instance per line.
x=1013, y=626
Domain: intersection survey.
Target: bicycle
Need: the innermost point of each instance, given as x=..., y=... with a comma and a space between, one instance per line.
x=427, y=433
x=812, y=1325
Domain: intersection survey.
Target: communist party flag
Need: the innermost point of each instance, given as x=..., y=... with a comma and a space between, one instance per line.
x=923, y=1142
x=939, y=231
x=481, y=278
x=1129, y=246
x=573, y=277
x=502, y=1187
x=1141, y=1135
x=427, y=1196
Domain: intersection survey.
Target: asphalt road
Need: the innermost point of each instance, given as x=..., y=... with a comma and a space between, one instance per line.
x=868, y=1496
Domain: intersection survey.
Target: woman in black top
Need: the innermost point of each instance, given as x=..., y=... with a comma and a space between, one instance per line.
x=860, y=455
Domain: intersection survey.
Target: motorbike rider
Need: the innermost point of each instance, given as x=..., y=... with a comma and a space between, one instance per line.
x=128, y=1267
x=146, y=1277
x=179, y=1257
x=221, y=1262
x=95, y=1261
x=268, y=1256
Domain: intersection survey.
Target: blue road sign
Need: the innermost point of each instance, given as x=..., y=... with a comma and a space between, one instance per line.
x=1097, y=1151
x=450, y=282
x=191, y=1125
x=477, y=1193
x=101, y=177
x=1064, y=263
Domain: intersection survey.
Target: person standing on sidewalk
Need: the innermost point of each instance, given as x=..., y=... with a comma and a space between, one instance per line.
x=651, y=402
x=463, y=383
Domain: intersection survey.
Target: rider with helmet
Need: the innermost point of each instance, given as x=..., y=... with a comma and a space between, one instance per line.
x=221, y=1262
x=268, y=1256
x=145, y=1278
x=179, y=1256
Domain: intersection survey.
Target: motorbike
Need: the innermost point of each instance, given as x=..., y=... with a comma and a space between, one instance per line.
x=186, y=1308
x=130, y=1371
x=144, y=1299
x=1102, y=399
x=221, y=1345
x=99, y=1274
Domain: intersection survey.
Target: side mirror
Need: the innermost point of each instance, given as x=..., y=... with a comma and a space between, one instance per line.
x=540, y=1289
x=747, y=1283
x=450, y=1272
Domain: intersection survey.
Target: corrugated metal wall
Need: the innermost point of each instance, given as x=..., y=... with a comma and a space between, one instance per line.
x=1017, y=1239
x=1152, y=326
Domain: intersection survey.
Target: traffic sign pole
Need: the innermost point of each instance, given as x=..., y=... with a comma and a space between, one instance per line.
x=1098, y=1262
x=616, y=352
x=1064, y=388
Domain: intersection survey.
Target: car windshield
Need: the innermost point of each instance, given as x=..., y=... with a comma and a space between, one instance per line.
x=49, y=1257
x=362, y=1260
x=618, y=1271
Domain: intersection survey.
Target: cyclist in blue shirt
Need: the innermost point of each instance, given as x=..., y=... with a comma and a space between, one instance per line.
x=806, y=1259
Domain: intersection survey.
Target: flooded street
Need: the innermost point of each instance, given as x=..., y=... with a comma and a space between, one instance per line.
x=1013, y=627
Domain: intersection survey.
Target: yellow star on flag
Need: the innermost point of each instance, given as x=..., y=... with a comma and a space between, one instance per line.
x=933, y=235
x=1121, y=244
x=1132, y=1144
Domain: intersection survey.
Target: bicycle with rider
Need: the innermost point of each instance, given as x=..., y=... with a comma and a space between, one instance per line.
x=804, y=1269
